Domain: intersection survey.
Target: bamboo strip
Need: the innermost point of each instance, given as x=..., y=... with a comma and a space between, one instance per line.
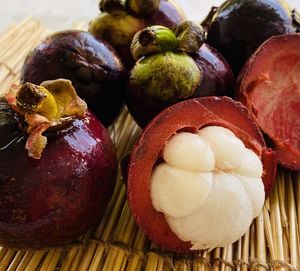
x=35, y=260
x=98, y=256
x=76, y=261
x=54, y=260
x=238, y=257
x=6, y=260
x=13, y=31
x=276, y=227
x=69, y=259
x=216, y=262
x=17, y=259
x=3, y=250
x=292, y=215
x=252, y=239
x=261, y=252
x=23, y=263
x=245, y=250
x=88, y=256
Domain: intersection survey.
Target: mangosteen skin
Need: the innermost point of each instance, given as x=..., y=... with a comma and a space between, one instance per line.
x=51, y=201
x=168, y=15
x=94, y=67
x=240, y=26
x=217, y=80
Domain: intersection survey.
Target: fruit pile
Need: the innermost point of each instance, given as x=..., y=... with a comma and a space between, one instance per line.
x=219, y=104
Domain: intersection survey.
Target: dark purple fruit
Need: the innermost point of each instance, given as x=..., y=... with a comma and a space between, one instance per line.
x=94, y=68
x=174, y=69
x=240, y=26
x=52, y=200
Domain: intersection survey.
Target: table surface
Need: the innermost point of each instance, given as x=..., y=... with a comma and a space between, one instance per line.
x=57, y=14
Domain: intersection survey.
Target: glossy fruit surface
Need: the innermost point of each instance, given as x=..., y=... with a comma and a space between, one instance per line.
x=216, y=80
x=94, y=68
x=51, y=201
x=240, y=26
x=190, y=115
x=270, y=87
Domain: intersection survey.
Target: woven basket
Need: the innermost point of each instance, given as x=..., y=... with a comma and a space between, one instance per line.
x=272, y=242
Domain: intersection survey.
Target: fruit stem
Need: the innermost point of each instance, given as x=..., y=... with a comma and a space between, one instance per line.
x=209, y=18
x=112, y=6
x=36, y=99
x=143, y=7
x=151, y=40
x=190, y=36
x=296, y=19
x=187, y=37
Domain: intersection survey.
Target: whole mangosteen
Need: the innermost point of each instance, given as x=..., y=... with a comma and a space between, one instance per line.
x=95, y=69
x=173, y=66
x=238, y=27
x=57, y=166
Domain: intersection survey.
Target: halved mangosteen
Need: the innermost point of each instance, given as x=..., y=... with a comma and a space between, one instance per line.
x=204, y=155
x=269, y=86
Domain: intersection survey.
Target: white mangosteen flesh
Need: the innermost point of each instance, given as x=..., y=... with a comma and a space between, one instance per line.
x=209, y=187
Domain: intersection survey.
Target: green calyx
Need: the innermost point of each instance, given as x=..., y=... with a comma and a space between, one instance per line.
x=154, y=39
x=167, y=76
x=187, y=37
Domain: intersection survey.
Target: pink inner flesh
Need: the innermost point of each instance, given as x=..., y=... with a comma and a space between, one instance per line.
x=276, y=100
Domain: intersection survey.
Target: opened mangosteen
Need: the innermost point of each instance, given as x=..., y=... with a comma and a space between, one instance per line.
x=270, y=87
x=239, y=26
x=198, y=174
x=173, y=66
x=119, y=20
x=57, y=166
x=95, y=69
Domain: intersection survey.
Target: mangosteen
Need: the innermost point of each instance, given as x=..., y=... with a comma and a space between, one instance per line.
x=57, y=166
x=239, y=26
x=119, y=20
x=201, y=169
x=173, y=66
x=269, y=86
x=94, y=67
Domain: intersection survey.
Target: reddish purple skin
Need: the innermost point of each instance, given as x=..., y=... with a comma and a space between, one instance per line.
x=94, y=67
x=167, y=15
x=217, y=80
x=51, y=201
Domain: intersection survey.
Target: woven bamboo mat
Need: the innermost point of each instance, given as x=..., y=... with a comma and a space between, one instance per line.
x=272, y=242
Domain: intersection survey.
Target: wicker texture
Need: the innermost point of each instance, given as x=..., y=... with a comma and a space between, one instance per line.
x=272, y=242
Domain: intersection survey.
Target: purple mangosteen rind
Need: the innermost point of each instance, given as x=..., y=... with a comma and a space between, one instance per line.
x=92, y=65
x=237, y=28
x=51, y=201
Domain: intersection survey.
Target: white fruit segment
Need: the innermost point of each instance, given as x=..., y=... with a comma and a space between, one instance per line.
x=251, y=165
x=188, y=151
x=228, y=149
x=186, y=189
x=222, y=219
x=209, y=187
